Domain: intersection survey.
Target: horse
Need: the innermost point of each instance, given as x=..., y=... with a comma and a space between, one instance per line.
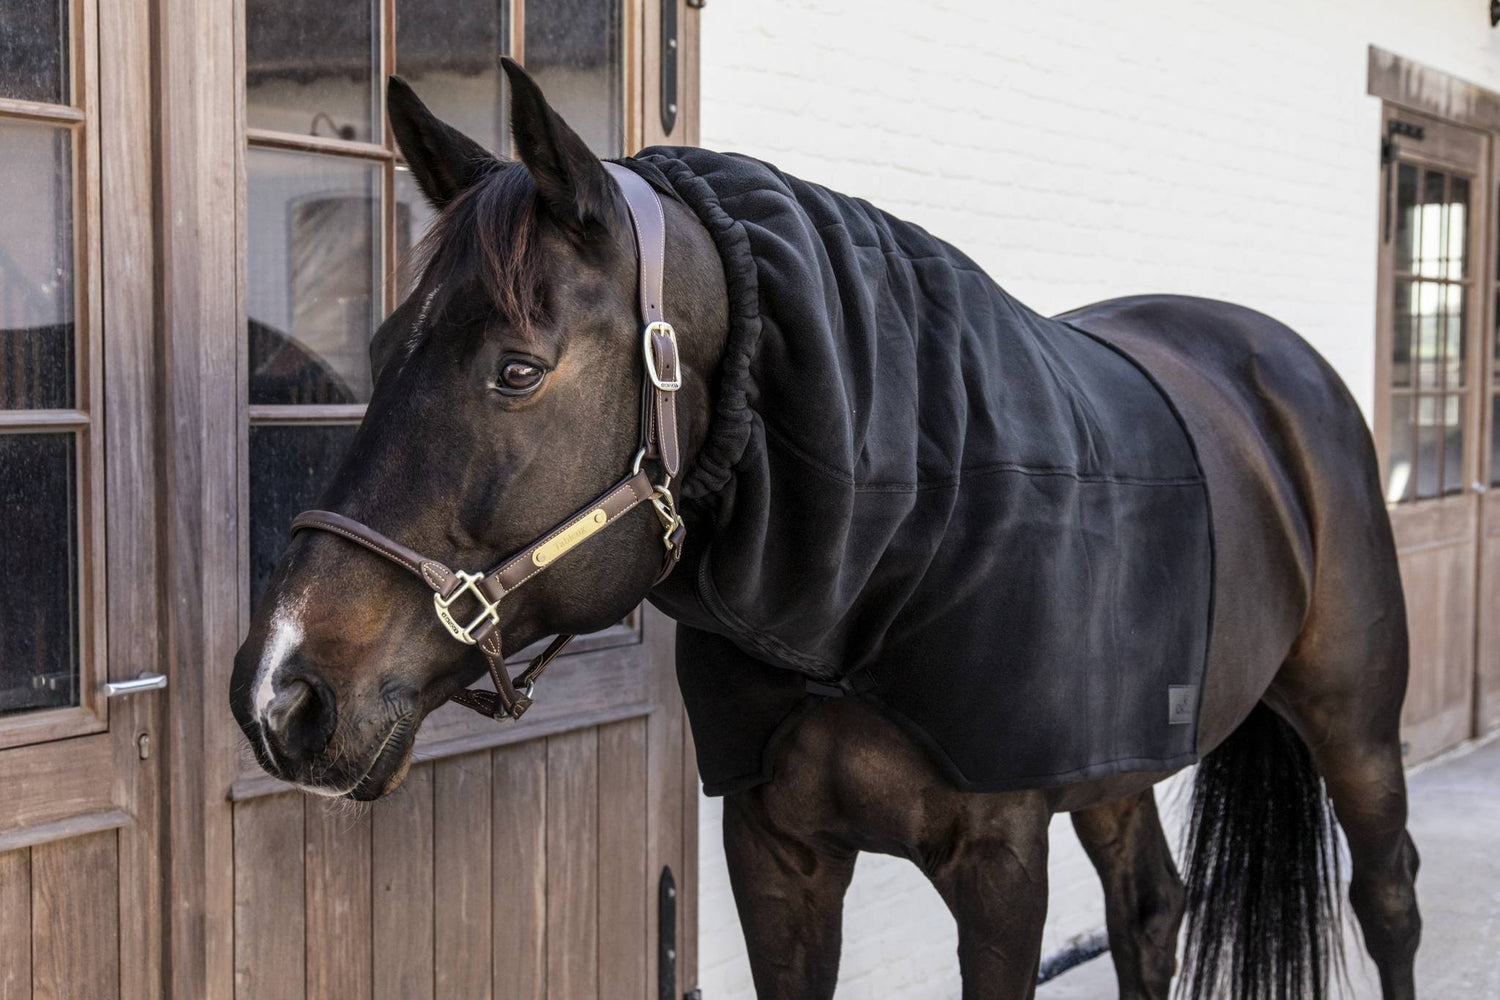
x=526, y=326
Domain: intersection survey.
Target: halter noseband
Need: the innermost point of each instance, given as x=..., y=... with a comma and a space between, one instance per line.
x=663, y=377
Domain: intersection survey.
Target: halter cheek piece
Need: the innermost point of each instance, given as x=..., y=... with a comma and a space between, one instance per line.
x=663, y=377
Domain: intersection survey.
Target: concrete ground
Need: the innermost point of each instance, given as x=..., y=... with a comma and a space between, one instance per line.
x=1455, y=821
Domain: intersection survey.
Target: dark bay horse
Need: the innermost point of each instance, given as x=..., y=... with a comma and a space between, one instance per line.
x=508, y=392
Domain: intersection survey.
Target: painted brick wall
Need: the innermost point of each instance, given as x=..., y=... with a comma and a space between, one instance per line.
x=1077, y=151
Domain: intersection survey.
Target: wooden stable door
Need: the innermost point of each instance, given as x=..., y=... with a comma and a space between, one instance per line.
x=80, y=744
x=518, y=862
x=1433, y=413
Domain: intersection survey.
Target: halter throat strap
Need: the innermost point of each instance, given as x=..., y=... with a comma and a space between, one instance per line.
x=457, y=594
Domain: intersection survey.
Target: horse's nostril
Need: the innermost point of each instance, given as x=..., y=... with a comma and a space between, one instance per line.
x=301, y=717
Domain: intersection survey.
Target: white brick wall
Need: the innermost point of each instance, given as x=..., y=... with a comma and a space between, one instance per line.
x=1077, y=151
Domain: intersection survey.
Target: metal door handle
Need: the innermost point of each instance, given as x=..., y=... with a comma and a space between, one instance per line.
x=1481, y=487
x=145, y=682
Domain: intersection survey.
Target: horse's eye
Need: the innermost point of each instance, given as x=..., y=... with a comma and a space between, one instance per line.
x=519, y=377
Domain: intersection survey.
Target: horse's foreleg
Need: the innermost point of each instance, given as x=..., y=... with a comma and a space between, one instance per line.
x=1143, y=894
x=992, y=873
x=789, y=891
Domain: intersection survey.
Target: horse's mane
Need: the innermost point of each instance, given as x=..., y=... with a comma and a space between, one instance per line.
x=488, y=233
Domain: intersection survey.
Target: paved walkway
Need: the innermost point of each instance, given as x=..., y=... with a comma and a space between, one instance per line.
x=1455, y=820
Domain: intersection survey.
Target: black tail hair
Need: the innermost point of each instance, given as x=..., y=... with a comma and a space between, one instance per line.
x=1263, y=872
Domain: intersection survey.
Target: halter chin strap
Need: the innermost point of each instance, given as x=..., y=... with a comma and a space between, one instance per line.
x=658, y=442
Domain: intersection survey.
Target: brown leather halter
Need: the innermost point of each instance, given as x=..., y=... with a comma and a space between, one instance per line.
x=512, y=697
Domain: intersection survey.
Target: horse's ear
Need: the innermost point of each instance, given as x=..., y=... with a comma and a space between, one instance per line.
x=572, y=182
x=443, y=160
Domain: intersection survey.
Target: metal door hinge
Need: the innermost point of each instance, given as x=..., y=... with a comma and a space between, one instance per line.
x=670, y=50
x=666, y=936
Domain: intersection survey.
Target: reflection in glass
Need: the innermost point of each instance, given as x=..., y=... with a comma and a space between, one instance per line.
x=573, y=53
x=413, y=217
x=315, y=276
x=36, y=268
x=1458, y=228
x=1429, y=448
x=39, y=588
x=1495, y=440
x=289, y=467
x=1401, y=324
x=449, y=51
x=1406, y=216
x=1398, y=484
x=34, y=50
x=312, y=70
x=1453, y=444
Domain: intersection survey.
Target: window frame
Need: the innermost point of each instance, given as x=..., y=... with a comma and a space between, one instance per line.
x=84, y=420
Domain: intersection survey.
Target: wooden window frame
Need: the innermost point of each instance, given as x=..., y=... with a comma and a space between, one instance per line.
x=1417, y=92
x=588, y=686
x=83, y=421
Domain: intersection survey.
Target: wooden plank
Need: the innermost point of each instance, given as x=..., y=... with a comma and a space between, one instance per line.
x=63, y=829
x=687, y=901
x=401, y=856
x=75, y=919
x=624, y=883
x=519, y=825
x=269, y=920
x=1407, y=82
x=665, y=794
x=15, y=925
x=338, y=902
x=572, y=865
x=461, y=868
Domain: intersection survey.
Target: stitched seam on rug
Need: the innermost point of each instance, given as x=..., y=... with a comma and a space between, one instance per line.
x=838, y=475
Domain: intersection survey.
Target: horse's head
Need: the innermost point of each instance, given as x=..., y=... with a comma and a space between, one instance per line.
x=507, y=394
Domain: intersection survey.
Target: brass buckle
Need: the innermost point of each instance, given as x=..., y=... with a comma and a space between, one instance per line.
x=445, y=615
x=666, y=512
x=664, y=328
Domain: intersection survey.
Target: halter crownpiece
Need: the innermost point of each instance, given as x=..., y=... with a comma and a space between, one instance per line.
x=662, y=377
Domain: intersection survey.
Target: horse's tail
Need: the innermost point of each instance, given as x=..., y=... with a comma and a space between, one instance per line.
x=1263, y=880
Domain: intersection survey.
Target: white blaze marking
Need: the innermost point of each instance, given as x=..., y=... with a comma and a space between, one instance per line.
x=286, y=633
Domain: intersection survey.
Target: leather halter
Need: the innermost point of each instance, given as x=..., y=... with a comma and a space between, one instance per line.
x=662, y=378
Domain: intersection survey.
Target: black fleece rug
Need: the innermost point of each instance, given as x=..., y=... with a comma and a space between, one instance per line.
x=922, y=494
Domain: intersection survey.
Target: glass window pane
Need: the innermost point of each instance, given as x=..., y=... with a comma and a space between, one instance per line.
x=1495, y=440
x=1401, y=327
x=413, y=217
x=1432, y=236
x=1399, y=480
x=36, y=268
x=34, y=50
x=1453, y=444
x=1455, y=318
x=1429, y=448
x=573, y=53
x=39, y=588
x=315, y=276
x=449, y=51
x=1428, y=326
x=312, y=70
x=1406, y=216
x=289, y=467
x=1458, y=228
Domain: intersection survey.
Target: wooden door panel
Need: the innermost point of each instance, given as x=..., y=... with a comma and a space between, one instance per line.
x=337, y=877
x=519, y=830
x=401, y=856
x=527, y=869
x=623, y=941
x=15, y=925
x=1436, y=545
x=463, y=852
x=572, y=865
x=270, y=959
x=1487, y=674
x=75, y=918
